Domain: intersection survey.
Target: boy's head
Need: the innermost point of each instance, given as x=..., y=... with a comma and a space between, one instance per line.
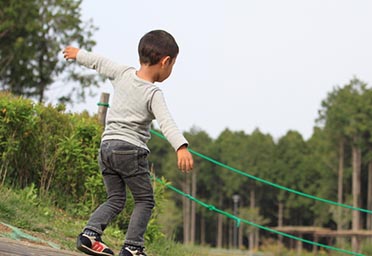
x=156, y=45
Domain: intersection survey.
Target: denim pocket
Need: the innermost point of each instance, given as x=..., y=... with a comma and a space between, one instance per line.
x=143, y=164
x=125, y=161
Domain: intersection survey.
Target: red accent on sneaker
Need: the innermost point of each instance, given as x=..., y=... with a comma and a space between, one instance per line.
x=97, y=246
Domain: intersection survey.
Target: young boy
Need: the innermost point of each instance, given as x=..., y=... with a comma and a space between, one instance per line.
x=123, y=153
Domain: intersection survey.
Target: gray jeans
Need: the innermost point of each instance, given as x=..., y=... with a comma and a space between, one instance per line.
x=123, y=164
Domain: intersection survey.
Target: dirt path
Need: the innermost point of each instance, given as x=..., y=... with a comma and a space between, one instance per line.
x=13, y=247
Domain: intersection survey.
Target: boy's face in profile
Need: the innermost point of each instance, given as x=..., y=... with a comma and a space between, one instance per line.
x=166, y=69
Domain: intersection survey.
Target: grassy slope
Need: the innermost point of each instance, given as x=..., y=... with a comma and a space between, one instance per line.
x=24, y=210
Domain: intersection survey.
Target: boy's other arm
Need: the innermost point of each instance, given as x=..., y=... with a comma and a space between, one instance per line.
x=101, y=64
x=172, y=133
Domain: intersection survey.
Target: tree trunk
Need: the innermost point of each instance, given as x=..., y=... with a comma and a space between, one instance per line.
x=252, y=204
x=219, y=227
x=202, y=227
x=231, y=234
x=280, y=224
x=257, y=238
x=41, y=92
x=43, y=82
x=193, y=209
x=186, y=211
x=240, y=237
x=340, y=188
x=356, y=152
x=369, y=200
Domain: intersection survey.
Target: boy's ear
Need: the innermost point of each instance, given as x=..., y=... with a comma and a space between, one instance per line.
x=165, y=61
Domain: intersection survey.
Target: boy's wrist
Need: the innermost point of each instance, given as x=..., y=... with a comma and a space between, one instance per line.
x=183, y=146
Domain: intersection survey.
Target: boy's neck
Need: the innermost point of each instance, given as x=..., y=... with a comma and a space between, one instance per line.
x=148, y=73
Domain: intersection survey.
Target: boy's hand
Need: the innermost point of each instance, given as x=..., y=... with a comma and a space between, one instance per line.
x=185, y=161
x=70, y=53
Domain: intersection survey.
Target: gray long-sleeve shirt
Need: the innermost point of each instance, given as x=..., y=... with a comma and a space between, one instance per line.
x=136, y=103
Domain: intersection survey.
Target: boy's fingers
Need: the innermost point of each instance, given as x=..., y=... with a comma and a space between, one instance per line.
x=181, y=165
x=191, y=164
x=65, y=53
x=185, y=165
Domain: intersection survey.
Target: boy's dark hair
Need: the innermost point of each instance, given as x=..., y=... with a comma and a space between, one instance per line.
x=155, y=45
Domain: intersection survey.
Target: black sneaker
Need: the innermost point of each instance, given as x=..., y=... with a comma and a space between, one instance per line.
x=132, y=251
x=92, y=245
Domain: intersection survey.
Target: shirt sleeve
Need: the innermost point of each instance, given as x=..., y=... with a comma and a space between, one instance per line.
x=102, y=65
x=166, y=122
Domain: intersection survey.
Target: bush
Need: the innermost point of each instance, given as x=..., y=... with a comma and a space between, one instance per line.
x=55, y=154
x=17, y=122
x=54, y=150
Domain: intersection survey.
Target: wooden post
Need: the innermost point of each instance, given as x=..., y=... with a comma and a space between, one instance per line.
x=315, y=247
x=102, y=107
x=299, y=244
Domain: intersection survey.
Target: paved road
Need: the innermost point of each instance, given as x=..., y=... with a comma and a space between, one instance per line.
x=10, y=247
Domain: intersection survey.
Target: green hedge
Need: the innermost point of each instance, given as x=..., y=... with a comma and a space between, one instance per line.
x=54, y=150
x=55, y=153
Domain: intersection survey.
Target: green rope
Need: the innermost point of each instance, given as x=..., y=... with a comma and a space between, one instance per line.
x=103, y=104
x=268, y=182
x=239, y=220
x=17, y=234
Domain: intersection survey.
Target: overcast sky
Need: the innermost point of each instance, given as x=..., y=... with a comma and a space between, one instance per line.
x=243, y=64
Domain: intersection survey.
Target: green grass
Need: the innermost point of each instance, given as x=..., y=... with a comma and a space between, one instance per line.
x=23, y=210
x=39, y=218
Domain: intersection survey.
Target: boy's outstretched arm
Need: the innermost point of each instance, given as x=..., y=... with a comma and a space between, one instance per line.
x=102, y=65
x=70, y=53
x=185, y=160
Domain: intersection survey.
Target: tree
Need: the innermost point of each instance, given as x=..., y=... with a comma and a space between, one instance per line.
x=347, y=116
x=334, y=118
x=289, y=172
x=321, y=167
x=259, y=153
x=367, y=97
x=200, y=141
x=32, y=35
x=230, y=151
x=358, y=126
